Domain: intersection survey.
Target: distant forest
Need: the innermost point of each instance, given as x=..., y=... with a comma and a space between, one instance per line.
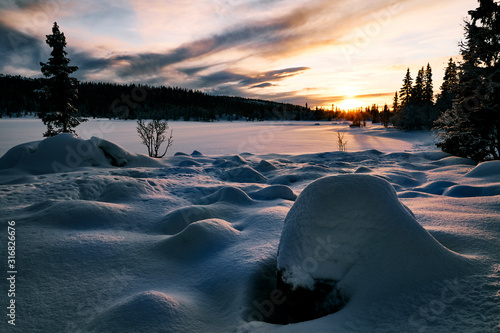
x=20, y=96
x=413, y=108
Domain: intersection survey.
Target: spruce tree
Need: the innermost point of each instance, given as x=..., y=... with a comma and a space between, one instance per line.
x=395, y=102
x=385, y=115
x=428, y=94
x=60, y=89
x=406, y=90
x=417, y=93
x=430, y=113
x=471, y=127
x=448, y=88
x=409, y=116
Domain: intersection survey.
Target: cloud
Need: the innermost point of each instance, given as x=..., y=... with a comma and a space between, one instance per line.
x=259, y=37
x=221, y=77
x=263, y=85
x=193, y=70
x=20, y=50
x=305, y=26
x=86, y=62
x=256, y=35
x=377, y=95
x=20, y=4
x=296, y=31
x=256, y=81
x=275, y=75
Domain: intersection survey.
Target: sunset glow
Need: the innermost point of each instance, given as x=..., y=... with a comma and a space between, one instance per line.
x=288, y=51
x=350, y=104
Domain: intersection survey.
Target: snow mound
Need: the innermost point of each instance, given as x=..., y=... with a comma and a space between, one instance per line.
x=188, y=163
x=148, y=311
x=200, y=239
x=228, y=194
x=265, y=166
x=223, y=204
x=436, y=187
x=80, y=214
x=224, y=164
x=238, y=159
x=65, y=152
x=179, y=219
x=288, y=179
x=402, y=179
x=244, y=174
x=363, y=170
x=352, y=230
x=274, y=192
x=486, y=170
x=454, y=160
x=196, y=153
x=467, y=191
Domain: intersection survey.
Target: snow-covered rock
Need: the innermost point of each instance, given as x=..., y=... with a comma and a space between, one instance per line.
x=351, y=232
x=65, y=152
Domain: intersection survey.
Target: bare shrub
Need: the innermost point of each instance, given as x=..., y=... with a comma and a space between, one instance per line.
x=153, y=135
x=341, y=142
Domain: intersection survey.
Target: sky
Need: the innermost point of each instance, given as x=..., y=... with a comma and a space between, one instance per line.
x=348, y=53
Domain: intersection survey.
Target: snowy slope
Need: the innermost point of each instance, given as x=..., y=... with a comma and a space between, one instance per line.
x=190, y=243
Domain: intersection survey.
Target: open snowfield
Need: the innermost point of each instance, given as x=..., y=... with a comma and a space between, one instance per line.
x=108, y=240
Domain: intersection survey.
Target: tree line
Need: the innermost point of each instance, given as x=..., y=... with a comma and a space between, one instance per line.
x=415, y=106
x=466, y=112
x=132, y=101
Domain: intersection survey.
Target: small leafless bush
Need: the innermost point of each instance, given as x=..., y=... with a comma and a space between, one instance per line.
x=153, y=136
x=341, y=142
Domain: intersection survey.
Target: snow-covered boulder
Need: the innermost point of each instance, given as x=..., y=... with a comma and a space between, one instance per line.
x=348, y=237
x=65, y=152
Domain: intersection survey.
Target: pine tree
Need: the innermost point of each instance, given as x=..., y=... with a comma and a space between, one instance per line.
x=430, y=113
x=471, y=128
x=417, y=93
x=408, y=117
x=375, y=113
x=395, y=103
x=406, y=90
x=60, y=90
x=448, y=88
x=428, y=94
x=385, y=115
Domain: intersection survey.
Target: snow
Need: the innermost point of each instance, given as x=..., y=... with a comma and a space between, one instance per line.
x=118, y=242
x=230, y=138
x=489, y=169
x=352, y=229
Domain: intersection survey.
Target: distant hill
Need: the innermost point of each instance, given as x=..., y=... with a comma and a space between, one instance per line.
x=21, y=95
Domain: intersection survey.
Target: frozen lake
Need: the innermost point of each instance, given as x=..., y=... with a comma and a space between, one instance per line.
x=216, y=138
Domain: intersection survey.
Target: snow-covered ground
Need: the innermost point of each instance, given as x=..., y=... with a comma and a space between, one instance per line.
x=108, y=240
